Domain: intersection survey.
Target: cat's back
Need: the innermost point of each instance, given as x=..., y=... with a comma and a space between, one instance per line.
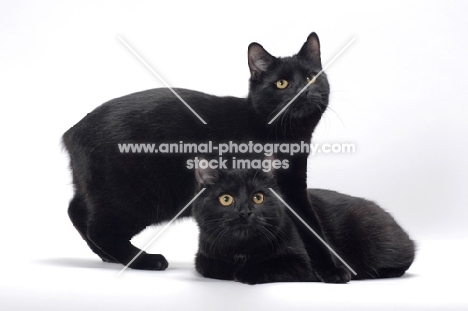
x=360, y=228
x=155, y=114
x=357, y=216
x=343, y=208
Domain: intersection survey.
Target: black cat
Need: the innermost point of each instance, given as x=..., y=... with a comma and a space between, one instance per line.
x=363, y=234
x=117, y=195
x=246, y=234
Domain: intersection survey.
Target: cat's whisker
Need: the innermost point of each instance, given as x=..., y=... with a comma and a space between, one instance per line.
x=212, y=231
x=218, y=245
x=265, y=233
x=254, y=177
x=210, y=221
x=321, y=108
x=291, y=124
x=275, y=111
x=281, y=122
x=277, y=232
x=214, y=244
x=340, y=98
x=330, y=108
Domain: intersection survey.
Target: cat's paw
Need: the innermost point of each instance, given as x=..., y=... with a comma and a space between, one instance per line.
x=150, y=262
x=249, y=276
x=336, y=275
x=108, y=259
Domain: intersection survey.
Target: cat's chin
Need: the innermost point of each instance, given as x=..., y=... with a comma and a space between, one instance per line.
x=244, y=232
x=306, y=110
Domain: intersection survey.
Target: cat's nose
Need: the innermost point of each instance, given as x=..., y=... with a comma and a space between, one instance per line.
x=311, y=94
x=245, y=214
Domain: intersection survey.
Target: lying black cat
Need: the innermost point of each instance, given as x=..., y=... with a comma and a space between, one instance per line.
x=363, y=234
x=117, y=195
x=245, y=232
x=247, y=235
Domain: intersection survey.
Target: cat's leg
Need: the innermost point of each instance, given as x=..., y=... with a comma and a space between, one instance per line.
x=111, y=233
x=294, y=188
x=320, y=257
x=78, y=213
x=213, y=268
x=290, y=268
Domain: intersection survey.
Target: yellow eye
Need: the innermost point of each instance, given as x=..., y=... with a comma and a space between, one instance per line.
x=258, y=198
x=226, y=199
x=311, y=79
x=282, y=84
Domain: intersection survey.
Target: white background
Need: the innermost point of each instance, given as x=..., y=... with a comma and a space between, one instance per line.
x=399, y=93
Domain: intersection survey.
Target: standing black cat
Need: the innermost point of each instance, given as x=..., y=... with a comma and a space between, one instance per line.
x=246, y=234
x=117, y=195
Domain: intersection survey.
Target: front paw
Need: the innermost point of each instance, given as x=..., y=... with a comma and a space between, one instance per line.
x=149, y=262
x=335, y=275
x=249, y=276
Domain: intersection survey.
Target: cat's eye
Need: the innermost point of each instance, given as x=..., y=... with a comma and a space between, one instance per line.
x=282, y=84
x=258, y=198
x=226, y=199
x=311, y=79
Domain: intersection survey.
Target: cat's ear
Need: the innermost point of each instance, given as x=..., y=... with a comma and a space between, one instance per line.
x=204, y=174
x=311, y=48
x=259, y=59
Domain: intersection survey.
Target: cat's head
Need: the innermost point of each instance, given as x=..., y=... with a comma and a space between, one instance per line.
x=275, y=81
x=237, y=209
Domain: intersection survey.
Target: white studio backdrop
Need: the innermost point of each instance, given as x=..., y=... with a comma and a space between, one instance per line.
x=398, y=94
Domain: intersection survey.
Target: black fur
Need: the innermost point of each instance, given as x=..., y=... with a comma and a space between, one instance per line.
x=247, y=242
x=267, y=248
x=118, y=195
x=363, y=234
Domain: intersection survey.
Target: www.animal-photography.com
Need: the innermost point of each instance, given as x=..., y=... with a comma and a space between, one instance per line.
x=224, y=156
